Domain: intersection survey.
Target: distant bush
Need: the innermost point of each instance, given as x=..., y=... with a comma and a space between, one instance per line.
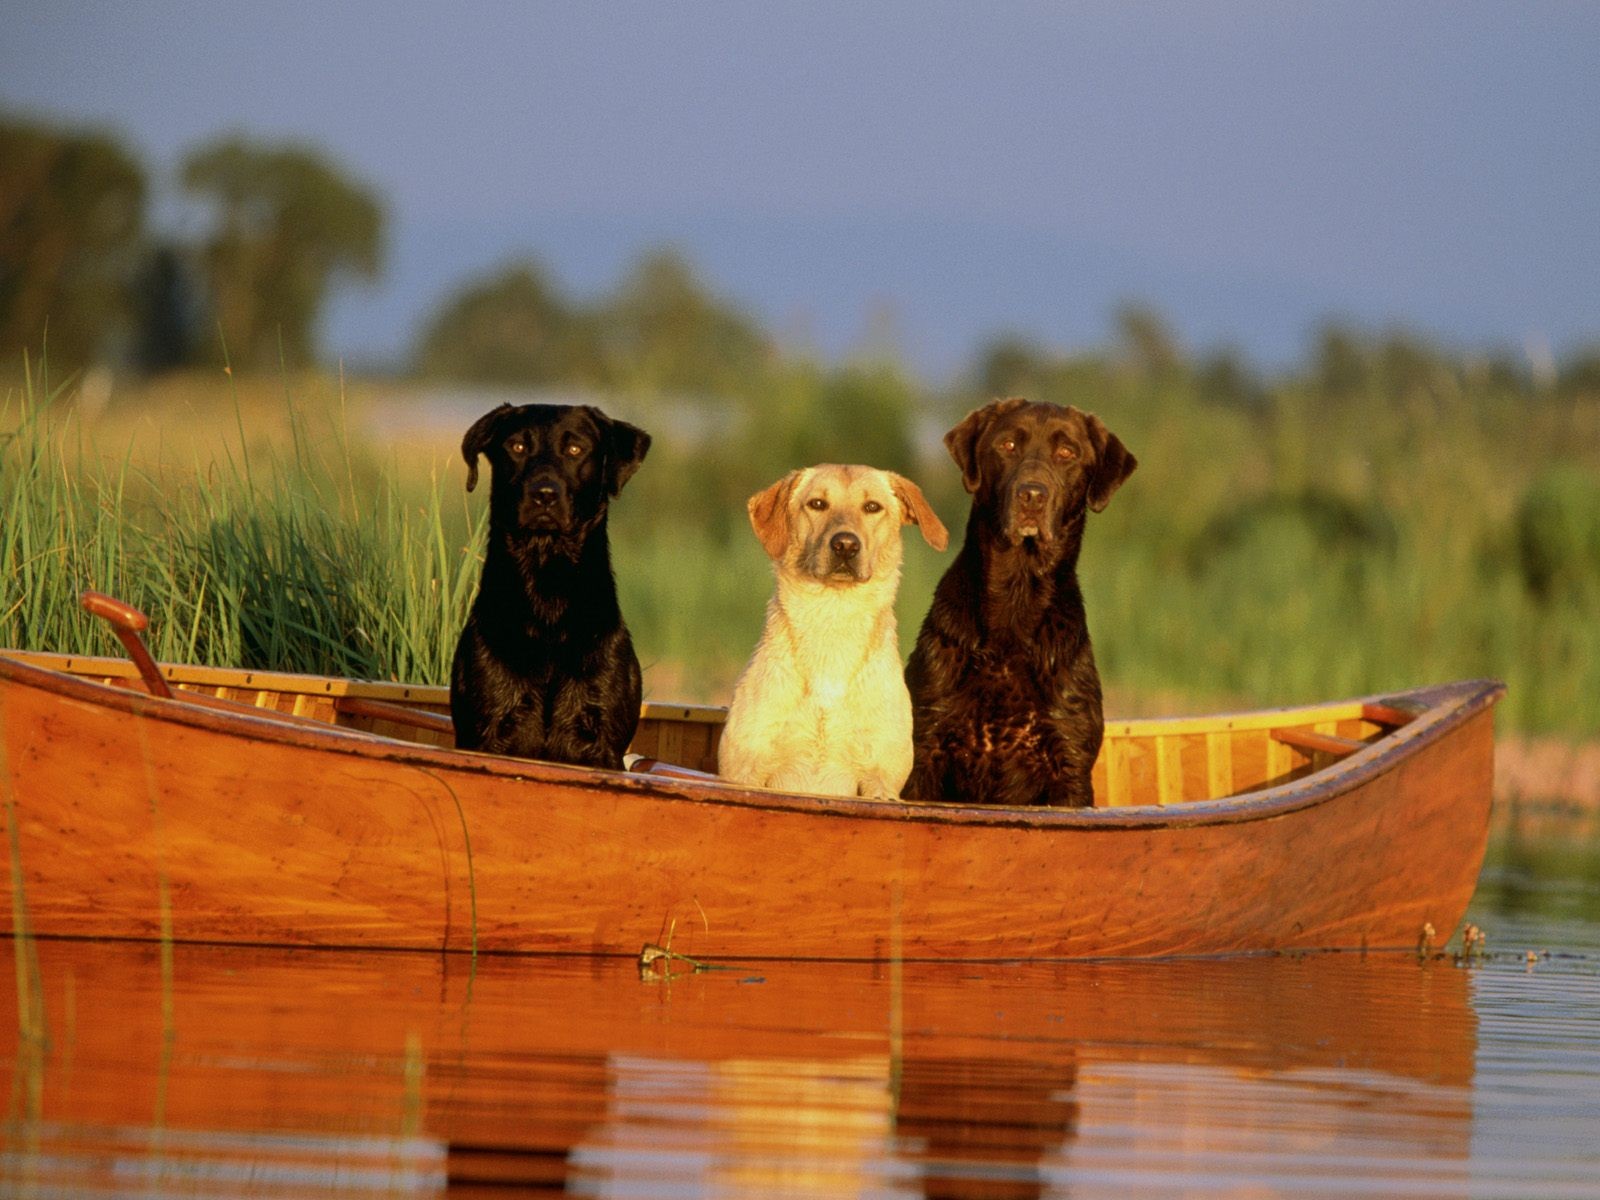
x=1558, y=534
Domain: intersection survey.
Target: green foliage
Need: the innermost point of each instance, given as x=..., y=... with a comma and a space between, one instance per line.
x=1558, y=535
x=512, y=327
x=663, y=332
x=71, y=220
x=277, y=568
x=660, y=334
x=286, y=223
x=1386, y=515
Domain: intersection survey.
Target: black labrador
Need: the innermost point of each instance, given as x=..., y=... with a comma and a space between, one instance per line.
x=1005, y=698
x=545, y=667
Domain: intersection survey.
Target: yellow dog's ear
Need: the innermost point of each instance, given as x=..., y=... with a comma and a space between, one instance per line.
x=769, y=514
x=914, y=505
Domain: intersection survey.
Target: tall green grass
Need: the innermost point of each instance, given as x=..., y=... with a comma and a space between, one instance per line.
x=282, y=561
x=1279, y=553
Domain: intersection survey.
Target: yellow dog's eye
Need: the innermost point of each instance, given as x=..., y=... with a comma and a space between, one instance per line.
x=817, y=504
x=872, y=506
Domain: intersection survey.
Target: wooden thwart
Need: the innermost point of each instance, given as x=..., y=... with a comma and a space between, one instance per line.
x=1325, y=743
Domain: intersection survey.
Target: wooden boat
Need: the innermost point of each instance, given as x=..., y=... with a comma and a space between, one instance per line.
x=253, y=807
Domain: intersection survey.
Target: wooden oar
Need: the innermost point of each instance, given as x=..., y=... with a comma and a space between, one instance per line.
x=127, y=622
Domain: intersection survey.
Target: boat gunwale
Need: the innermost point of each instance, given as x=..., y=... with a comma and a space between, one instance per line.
x=1439, y=710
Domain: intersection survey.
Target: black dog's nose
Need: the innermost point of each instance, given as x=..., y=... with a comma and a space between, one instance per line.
x=1031, y=495
x=544, y=495
x=845, y=545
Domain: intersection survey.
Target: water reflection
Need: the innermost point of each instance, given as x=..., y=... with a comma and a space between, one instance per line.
x=311, y=1072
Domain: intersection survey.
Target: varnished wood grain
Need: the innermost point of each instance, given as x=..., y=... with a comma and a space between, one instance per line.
x=265, y=831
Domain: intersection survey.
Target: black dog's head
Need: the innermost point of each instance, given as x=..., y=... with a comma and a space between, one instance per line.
x=555, y=467
x=1034, y=467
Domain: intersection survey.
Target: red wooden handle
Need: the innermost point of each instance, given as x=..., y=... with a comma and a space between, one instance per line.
x=127, y=622
x=124, y=616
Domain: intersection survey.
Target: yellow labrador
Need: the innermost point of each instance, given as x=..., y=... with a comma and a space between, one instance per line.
x=822, y=705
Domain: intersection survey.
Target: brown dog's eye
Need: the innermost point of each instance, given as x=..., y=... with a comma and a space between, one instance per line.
x=1066, y=453
x=817, y=504
x=1006, y=445
x=872, y=506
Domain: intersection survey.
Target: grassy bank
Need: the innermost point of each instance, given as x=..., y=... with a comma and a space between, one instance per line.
x=1281, y=550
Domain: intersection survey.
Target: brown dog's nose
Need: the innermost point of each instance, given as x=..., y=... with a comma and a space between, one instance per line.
x=1031, y=495
x=845, y=545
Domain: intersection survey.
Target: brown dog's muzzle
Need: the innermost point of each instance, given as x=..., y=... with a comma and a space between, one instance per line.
x=1033, y=502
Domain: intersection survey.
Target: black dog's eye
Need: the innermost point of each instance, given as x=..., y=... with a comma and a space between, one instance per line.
x=817, y=504
x=574, y=449
x=872, y=506
x=517, y=446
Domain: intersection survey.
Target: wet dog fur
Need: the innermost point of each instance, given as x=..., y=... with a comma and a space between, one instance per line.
x=545, y=667
x=1005, y=694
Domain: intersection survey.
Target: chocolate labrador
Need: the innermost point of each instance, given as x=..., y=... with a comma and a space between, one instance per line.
x=1005, y=698
x=544, y=667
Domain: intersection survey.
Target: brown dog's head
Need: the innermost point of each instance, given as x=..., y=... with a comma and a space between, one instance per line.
x=841, y=524
x=1035, y=467
x=555, y=467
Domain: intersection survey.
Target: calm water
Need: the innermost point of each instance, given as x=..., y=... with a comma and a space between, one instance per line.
x=222, y=1072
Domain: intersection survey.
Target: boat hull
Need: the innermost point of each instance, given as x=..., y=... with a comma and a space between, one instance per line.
x=131, y=817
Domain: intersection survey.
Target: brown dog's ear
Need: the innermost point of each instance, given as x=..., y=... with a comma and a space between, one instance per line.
x=626, y=446
x=962, y=441
x=479, y=438
x=919, y=512
x=1112, y=463
x=769, y=514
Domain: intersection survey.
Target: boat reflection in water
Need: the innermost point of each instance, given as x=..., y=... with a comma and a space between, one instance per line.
x=214, y=1070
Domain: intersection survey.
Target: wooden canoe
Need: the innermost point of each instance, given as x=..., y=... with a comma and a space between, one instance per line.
x=277, y=809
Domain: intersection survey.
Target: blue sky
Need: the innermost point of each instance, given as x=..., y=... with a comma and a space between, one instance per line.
x=923, y=172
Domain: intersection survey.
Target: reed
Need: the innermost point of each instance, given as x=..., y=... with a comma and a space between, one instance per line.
x=1275, y=555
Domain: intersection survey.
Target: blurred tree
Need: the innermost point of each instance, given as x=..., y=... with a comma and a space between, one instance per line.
x=286, y=224
x=1339, y=369
x=1147, y=342
x=1011, y=366
x=859, y=414
x=1557, y=530
x=1580, y=375
x=512, y=327
x=167, y=311
x=71, y=216
x=1408, y=367
x=1225, y=377
x=664, y=332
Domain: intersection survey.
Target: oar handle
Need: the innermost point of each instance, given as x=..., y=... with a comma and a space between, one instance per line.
x=127, y=622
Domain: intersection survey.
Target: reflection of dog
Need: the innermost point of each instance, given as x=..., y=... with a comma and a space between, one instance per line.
x=545, y=667
x=1004, y=691
x=822, y=706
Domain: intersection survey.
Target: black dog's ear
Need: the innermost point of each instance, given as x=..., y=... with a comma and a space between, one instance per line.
x=962, y=441
x=626, y=446
x=1112, y=463
x=478, y=440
